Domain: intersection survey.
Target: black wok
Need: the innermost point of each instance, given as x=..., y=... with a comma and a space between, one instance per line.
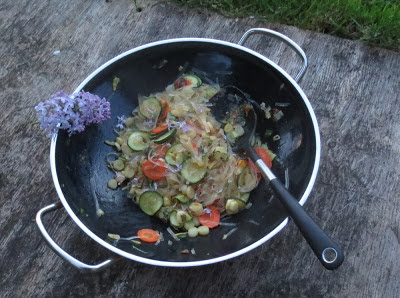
x=80, y=174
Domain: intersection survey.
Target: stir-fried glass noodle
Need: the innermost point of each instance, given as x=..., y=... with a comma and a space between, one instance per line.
x=177, y=162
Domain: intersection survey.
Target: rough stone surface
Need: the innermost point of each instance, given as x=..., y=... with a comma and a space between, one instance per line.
x=353, y=89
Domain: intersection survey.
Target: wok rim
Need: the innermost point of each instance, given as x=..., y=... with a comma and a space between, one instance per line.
x=244, y=250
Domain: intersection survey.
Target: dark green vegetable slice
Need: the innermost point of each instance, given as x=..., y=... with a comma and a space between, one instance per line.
x=192, y=172
x=150, y=202
x=139, y=140
x=150, y=108
x=195, y=80
x=165, y=137
x=173, y=219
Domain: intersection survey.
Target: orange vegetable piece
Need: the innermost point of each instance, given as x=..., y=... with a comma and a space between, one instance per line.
x=264, y=156
x=159, y=129
x=161, y=150
x=148, y=235
x=241, y=163
x=210, y=217
x=164, y=109
x=154, y=169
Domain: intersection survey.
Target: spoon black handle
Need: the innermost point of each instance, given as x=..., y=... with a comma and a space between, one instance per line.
x=327, y=251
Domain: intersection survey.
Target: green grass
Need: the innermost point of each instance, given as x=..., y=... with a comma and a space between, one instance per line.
x=376, y=22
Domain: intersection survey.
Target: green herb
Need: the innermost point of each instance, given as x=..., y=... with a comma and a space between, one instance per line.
x=81, y=211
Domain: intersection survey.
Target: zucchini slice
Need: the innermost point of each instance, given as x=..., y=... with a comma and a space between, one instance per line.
x=181, y=198
x=221, y=153
x=150, y=108
x=173, y=219
x=139, y=141
x=166, y=136
x=193, y=79
x=192, y=172
x=247, y=180
x=175, y=155
x=150, y=202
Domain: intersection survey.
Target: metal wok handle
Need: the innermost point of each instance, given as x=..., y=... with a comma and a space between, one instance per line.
x=283, y=38
x=58, y=250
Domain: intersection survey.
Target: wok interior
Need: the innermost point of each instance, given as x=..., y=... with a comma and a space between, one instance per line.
x=80, y=159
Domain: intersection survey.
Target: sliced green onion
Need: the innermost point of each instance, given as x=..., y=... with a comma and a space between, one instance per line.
x=268, y=132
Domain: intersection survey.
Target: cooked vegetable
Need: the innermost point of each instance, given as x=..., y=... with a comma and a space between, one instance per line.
x=189, y=224
x=148, y=235
x=247, y=180
x=196, y=208
x=203, y=230
x=139, y=141
x=161, y=150
x=114, y=236
x=128, y=173
x=228, y=128
x=193, y=232
x=150, y=202
x=118, y=165
x=264, y=155
x=192, y=171
x=234, y=206
x=244, y=197
x=175, y=155
x=150, y=108
x=159, y=129
x=164, y=110
x=154, y=169
x=193, y=79
x=115, y=83
x=165, y=137
x=177, y=162
x=181, y=198
x=112, y=184
x=173, y=219
x=210, y=217
x=188, y=80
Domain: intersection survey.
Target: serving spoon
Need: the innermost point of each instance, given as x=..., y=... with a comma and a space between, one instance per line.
x=326, y=250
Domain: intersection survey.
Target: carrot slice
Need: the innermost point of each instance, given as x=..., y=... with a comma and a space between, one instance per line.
x=264, y=156
x=210, y=217
x=161, y=150
x=164, y=109
x=159, y=129
x=148, y=235
x=154, y=169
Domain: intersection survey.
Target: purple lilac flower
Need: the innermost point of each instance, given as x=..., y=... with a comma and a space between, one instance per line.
x=72, y=112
